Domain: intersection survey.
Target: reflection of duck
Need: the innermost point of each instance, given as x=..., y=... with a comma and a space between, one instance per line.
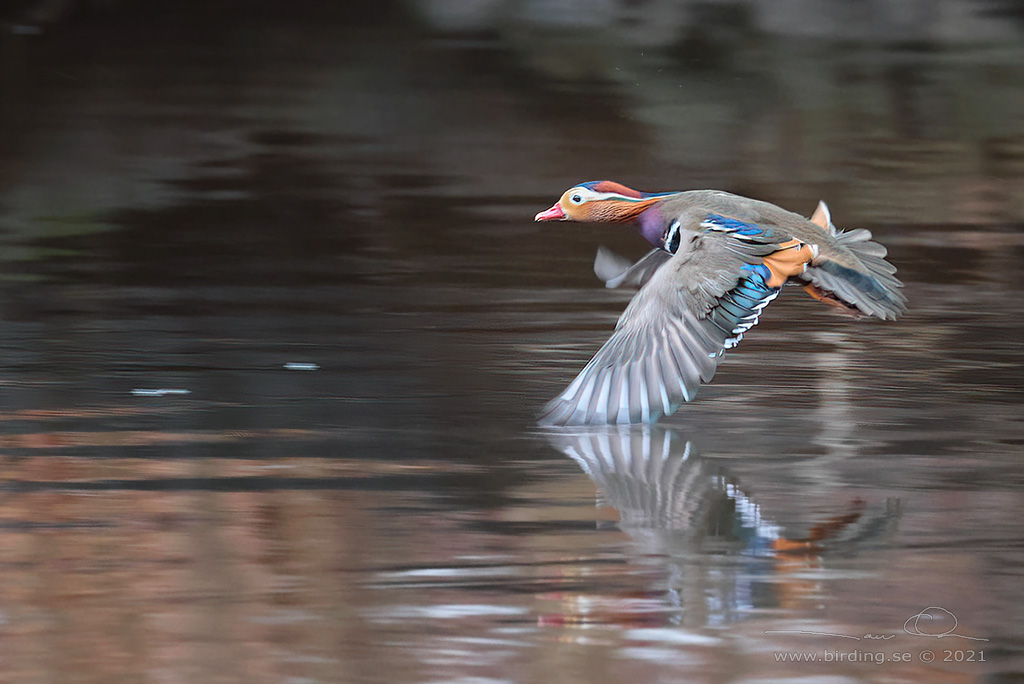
x=675, y=504
x=718, y=260
x=657, y=482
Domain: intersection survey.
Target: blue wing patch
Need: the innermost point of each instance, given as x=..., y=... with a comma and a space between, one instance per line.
x=739, y=309
x=734, y=226
x=760, y=269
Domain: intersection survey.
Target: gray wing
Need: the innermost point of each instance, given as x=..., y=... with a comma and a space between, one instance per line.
x=655, y=479
x=616, y=270
x=670, y=337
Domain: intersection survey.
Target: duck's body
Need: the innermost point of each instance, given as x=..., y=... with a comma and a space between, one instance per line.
x=719, y=259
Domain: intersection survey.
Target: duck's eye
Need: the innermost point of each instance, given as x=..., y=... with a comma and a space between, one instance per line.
x=576, y=199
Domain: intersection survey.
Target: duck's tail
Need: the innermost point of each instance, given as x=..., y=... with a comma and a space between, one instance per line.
x=856, y=276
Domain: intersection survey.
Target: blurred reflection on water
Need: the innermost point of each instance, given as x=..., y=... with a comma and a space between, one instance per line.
x=274, y=322
x=674, y=504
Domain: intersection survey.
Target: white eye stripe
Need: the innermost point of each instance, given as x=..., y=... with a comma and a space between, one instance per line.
x=588, y=195
x=671, y=240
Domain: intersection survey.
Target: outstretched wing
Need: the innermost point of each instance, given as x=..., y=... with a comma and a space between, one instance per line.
x=672, y=334
x=616, y=270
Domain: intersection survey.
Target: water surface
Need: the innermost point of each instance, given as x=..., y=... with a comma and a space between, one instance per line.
x=275, y=323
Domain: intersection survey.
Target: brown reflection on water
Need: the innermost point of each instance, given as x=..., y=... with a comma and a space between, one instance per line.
x=227, y=584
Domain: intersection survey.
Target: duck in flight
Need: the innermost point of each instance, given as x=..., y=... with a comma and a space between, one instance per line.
x=718, y=260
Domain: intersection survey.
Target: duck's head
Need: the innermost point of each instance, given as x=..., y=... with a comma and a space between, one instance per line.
x=600, y=201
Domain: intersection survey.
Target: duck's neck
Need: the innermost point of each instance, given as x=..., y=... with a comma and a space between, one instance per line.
x=651, y=225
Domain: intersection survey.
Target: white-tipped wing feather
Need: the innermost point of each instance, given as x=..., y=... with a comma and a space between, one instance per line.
x=667, y=342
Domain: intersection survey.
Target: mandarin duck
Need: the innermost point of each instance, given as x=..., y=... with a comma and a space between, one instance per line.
x=718, y=260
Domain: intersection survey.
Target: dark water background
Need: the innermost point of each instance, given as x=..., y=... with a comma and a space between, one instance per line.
x=195, y=195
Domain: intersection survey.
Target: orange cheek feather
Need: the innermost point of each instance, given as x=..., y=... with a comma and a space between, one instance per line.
x=577, y=213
